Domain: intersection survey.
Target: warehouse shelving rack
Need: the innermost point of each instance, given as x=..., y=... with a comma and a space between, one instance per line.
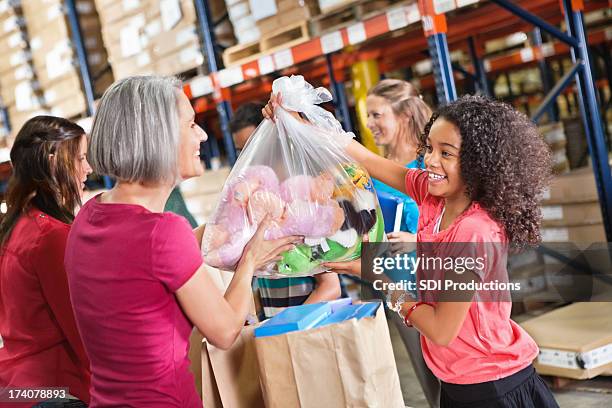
x=393, y=39
x=432, y=14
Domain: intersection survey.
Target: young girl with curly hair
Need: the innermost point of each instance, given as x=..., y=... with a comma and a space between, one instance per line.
x=485, y=169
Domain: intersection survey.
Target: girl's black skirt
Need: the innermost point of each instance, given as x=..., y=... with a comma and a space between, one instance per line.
x=524, y=389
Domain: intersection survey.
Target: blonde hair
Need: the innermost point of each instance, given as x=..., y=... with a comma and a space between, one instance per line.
x=405, y=100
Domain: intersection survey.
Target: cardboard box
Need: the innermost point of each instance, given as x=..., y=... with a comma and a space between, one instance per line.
x=14, y=59
x=111, y=31
x=120, y=10
x=172, y=14
x=581, y=235
x=575, y=341
x=9, y=10
x=57, y=30
x=140, y=64
x=532, y=280
x=284, y=19
x=72, y=107
x=573, y=214
x=248, y=35
x=17, y=74
x=175, y=40
x=24, y=89
x=55, y=63
x=183, y=60
x=11, y=25
x=239, y=10
x=63, y=89
x=577, y=186
x=13, y=42
x=18, y=118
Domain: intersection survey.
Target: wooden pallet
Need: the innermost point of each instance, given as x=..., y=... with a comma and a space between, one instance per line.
x=338, y=6
x=285, y=37
x=347, y=14
x=240, y=53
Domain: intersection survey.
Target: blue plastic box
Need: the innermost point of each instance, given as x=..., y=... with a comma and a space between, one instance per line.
x=294, y=318
x=348, y=312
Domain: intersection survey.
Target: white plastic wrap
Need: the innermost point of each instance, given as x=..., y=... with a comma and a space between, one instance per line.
x=298, y=172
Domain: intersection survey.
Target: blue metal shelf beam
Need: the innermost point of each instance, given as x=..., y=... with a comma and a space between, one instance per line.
x=442, y=68
x=81, y=52
x=479, y=69
x=538, y=22
x=551, y=107
x=552, y=95
x=590, y=114
x=208, y=48
x=339, y=92
x=5, y=118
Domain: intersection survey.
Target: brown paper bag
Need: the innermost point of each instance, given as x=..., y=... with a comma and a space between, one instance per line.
x=230, y=378
x=349, y=364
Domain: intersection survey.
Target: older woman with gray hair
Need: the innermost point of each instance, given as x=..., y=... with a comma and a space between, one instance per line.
x=136, y=276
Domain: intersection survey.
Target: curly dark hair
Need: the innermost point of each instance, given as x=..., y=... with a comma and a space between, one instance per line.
x=504, y=161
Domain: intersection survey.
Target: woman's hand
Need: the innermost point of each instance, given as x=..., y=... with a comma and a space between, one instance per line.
x=258, y=252
x=348, y=268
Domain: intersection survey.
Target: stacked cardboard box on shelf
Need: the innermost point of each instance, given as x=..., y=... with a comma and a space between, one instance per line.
x=571, y=210
x=241, y=17
x=280, y=14
x=554, y=135
x=279, y=23
x=55, y=60
x=19, y=88
x=150, y=36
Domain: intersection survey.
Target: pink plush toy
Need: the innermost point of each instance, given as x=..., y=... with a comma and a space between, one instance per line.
x=312, y=219
x=307, y=188
x=232, y=217
x=301, y=205
x=262, y=203
x=323, y=188
x=254, y=178
x=228, y=255
x=296, y=188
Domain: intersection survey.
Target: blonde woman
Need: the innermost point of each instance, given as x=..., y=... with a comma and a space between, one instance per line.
x=397, y=116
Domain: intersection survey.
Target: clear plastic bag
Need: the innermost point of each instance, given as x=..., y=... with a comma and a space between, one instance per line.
x=298, y=172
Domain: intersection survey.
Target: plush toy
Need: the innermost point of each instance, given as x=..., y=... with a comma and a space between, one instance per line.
x=331, y=210
x=262, y=203
x=254, y=178
x=312, y=219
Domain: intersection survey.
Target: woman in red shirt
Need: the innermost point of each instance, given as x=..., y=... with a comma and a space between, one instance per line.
x=42, y=346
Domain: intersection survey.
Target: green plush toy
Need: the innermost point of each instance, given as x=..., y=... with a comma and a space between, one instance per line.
x=297, y=261
x=303, y=258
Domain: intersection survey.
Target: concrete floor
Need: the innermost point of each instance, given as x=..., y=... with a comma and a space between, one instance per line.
x=596, y=393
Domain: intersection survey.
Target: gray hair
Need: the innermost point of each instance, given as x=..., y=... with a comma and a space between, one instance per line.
x=135, y=132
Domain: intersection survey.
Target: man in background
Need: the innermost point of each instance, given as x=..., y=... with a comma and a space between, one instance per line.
x=244, y=122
